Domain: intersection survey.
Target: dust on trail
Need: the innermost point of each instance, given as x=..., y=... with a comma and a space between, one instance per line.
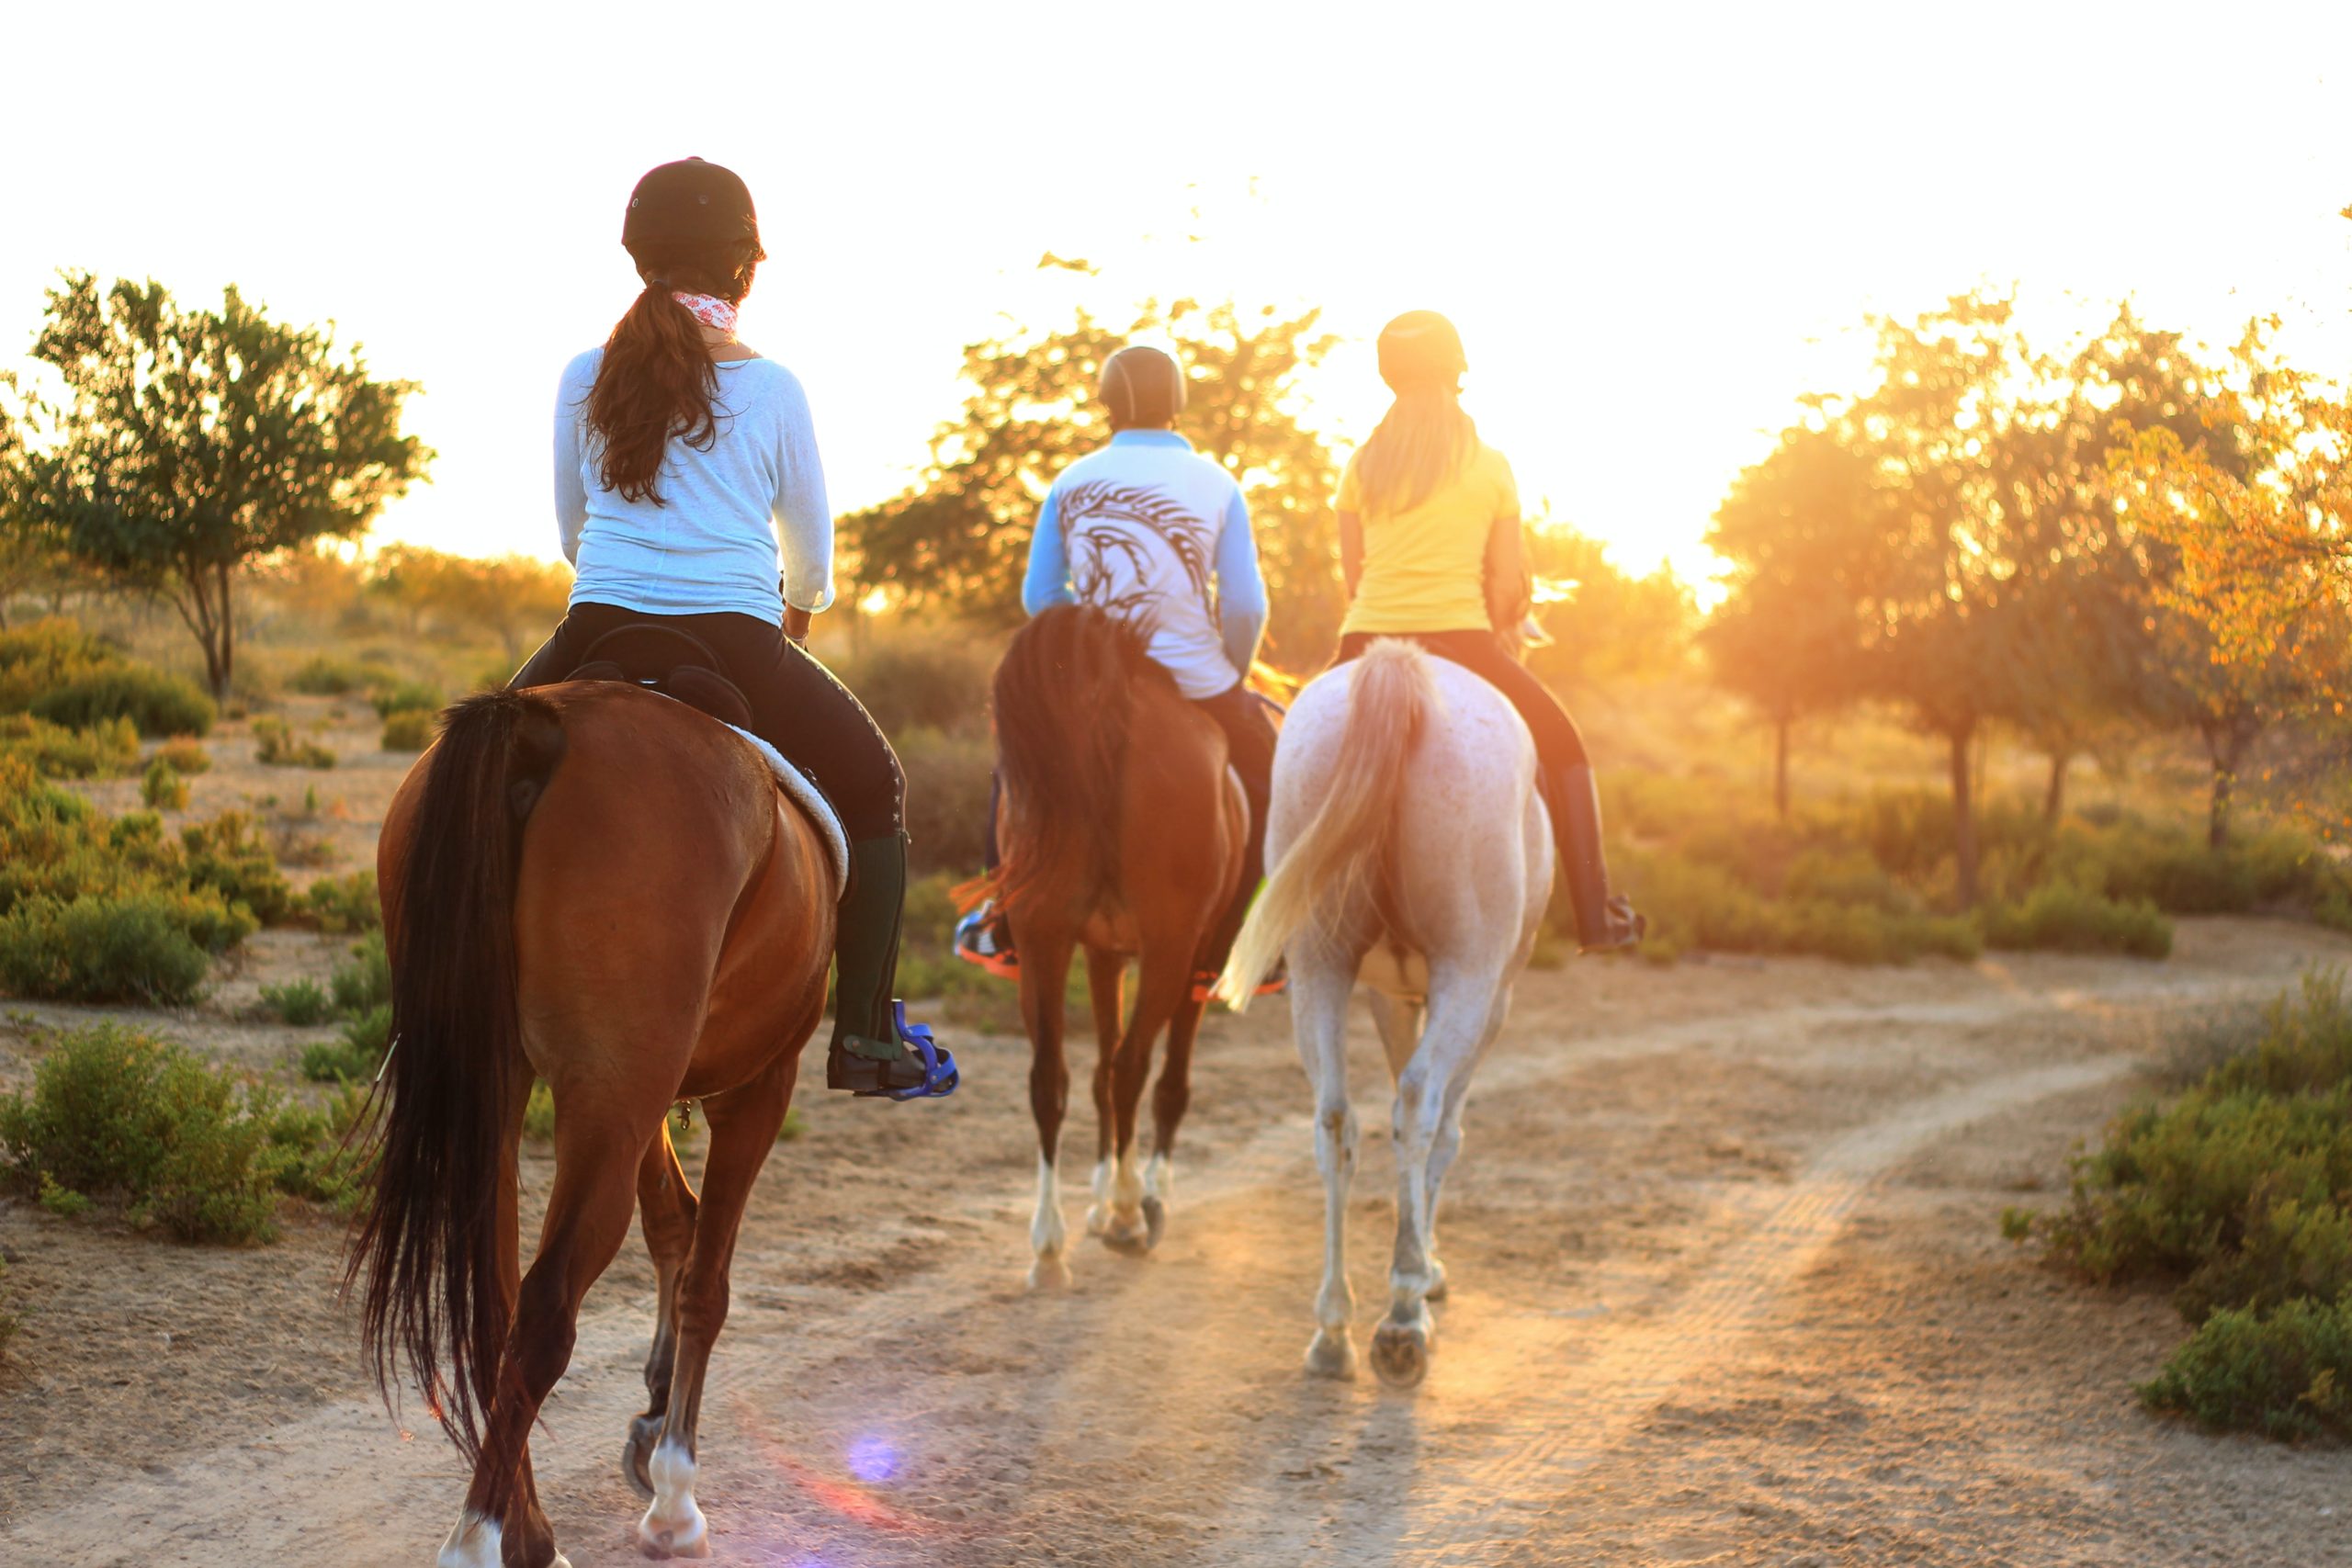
x=1686, y=1200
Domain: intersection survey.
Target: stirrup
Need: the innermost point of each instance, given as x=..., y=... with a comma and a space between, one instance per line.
x=923, y=1072
x=982, y=938
x=1276, y=982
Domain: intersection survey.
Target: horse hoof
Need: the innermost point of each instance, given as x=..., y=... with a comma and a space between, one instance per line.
x=1132, y=1237
x=1331, y=1355
x=1098, y=1219
x=662, y=1545
x=1049, y=1272
x=636, y=1450
x=1400, y=1355
x=1155, y=1221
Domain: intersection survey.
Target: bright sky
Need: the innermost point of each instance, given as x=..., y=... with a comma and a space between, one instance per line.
x=1655, y=229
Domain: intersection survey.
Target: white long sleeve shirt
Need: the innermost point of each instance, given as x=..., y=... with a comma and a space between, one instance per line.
x=712, y=542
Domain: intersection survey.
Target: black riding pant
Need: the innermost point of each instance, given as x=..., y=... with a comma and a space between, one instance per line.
x=1558, y=744
x=796, y=705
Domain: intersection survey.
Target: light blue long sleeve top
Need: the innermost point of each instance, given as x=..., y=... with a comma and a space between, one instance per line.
x=1150, y=530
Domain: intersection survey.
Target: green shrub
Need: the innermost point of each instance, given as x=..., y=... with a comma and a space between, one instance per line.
x=183, y=756
x=46, y=655
x=191, y=1148
x=409, y=729
x=278, y=746
x=338, y=905
x=339, y=1062
x=322, y=675
x=947, y=799
x=939, y=683
x=364, y=982
x=150, y=947
x=2286, y=1372
x=162, y=788
x=538, y=1114
x=107, y=750
x=298, y=1002
x=225, y=853
x=157, y=703
x=390, y=697
x=2068, y=918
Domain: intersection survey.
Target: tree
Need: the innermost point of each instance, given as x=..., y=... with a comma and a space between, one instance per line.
x=959, y=538
x=2248, y=524
x=193, y=443
x=1797, y=530
x=1600, y=620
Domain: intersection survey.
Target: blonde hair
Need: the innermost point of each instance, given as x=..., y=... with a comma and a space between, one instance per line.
x=1425, y=437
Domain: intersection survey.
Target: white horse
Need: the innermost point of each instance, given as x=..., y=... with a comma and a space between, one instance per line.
x=1410, y=851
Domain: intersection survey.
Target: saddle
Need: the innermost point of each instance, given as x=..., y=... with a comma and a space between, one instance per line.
x=680, y=665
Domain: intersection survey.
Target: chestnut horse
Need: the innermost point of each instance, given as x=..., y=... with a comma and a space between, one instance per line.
x=601, y=886
x=1122, y=831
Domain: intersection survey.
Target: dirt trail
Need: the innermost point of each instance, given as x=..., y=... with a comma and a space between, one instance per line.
x=1727, y=1289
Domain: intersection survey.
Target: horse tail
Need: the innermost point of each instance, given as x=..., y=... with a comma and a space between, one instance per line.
x=1342, y=849
x=428, y=1243
x=1064, y=697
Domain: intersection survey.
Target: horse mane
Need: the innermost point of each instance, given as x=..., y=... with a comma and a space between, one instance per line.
x=1064, y=698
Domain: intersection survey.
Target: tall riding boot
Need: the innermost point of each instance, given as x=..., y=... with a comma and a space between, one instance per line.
x=1604, y=921
x=875, y=1050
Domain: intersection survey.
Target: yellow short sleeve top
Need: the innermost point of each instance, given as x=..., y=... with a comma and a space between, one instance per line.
x=1424, y=568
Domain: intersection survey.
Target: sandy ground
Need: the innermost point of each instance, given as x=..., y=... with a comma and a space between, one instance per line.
x=1727, y=1288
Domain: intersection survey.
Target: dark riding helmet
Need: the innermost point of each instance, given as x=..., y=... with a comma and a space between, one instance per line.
x=689, y=202
x=1421, y=349
x=1142, y=385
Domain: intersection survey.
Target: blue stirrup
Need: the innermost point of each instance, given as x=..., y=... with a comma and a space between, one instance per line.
x=939, y=1075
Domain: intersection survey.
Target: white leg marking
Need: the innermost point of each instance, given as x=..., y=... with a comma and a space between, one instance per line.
x=1048, y=1238
x=473, y=1543
x=1159, y=1179
x=1098, y=1213
x=673, y=1526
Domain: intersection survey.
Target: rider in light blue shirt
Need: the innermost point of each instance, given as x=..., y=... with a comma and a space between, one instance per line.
x=1151, y=531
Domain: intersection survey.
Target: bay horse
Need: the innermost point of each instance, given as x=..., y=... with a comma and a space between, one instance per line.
x=1122, y=832
x=1408, y=849
x=604, y=887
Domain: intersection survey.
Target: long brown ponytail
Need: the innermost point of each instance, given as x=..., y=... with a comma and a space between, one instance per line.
x=657, y=379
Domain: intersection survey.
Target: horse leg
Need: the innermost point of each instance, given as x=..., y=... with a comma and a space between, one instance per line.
x=1165, y=983
x=1106, y=979
x=665, y=1208
x=1044, y=972
x=743, y=1125
x=1170, y=1097
x=1399, y=1023
x=1319, y=1009
x=1448, y=1142
x=587, y=1219
x=1461, y=1006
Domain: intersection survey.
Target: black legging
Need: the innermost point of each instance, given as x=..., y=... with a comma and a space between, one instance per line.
x=1558, y=744
x=796, y=705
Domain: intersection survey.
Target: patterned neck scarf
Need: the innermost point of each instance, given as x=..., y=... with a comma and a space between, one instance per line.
x=710, y=311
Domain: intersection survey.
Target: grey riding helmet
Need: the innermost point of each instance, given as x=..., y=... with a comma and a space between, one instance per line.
x=689, y=202
x=1142, y=387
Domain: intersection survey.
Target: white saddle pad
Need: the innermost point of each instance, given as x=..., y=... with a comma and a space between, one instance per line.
x=812, y=804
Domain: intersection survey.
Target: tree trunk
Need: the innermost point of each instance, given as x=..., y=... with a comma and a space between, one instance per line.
x=2227, y=746
x=2053, y=801
x=227, y=664
x=1781, y=767
x=1963, y=817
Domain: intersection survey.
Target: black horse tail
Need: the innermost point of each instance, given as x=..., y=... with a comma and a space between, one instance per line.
x=428, y=1243
x=1064, y=698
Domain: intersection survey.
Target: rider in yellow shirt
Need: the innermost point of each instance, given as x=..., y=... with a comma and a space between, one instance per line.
x=1429, y=545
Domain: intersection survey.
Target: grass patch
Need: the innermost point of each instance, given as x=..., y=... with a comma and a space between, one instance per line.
x=2237, y=1192
x=163, y=787
x=183, y=756
x=409, y=729
x=390, y=697
x=278, y=746
x=194, y=1149
x=298, y=1002
x=107, y=750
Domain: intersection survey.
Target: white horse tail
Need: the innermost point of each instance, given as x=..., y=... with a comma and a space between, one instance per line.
x=1340, y=848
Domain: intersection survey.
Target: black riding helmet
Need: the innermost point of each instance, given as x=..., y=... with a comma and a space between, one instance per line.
x=689, y=202
x=1142, y=385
